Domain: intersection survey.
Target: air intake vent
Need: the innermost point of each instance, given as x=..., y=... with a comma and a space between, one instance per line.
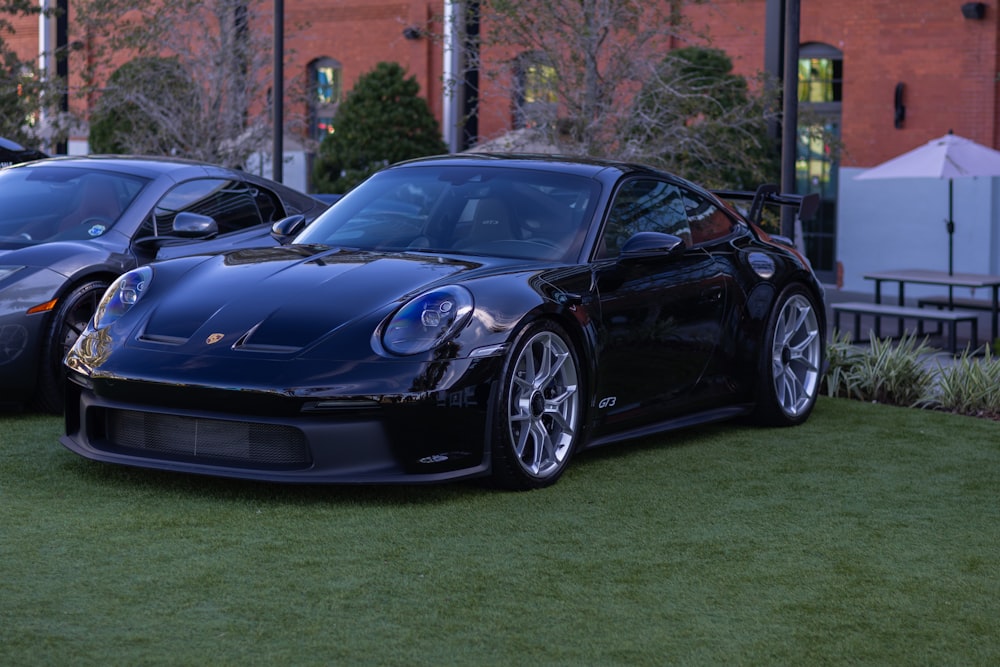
x=245, y=444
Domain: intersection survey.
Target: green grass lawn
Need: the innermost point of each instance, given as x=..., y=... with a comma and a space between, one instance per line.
x=870, y=535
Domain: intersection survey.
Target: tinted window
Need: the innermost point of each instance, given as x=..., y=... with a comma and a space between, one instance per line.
x=39, y=203
x=708, y=221
x=230, y=203
x=645, y=205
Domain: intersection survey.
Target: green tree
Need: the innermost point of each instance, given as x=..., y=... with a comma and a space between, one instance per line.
x=696, y=118
x=137, y=111
x=382, y=120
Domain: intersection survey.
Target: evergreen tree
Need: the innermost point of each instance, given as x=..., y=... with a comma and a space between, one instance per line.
x=383, y=120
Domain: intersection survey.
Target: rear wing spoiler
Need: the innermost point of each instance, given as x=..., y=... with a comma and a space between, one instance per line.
x=771, y=195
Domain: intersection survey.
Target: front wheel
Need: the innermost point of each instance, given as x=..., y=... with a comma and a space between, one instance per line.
x=537, y=413
x=68, y=321
x=791, y=360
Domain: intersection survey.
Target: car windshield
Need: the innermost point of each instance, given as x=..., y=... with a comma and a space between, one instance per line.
x=480, y=209
x=40, y=203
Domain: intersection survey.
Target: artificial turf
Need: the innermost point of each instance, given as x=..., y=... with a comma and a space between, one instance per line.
x=870, y=535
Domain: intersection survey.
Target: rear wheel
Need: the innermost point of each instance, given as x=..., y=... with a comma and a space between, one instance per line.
x=537, y=413
x=791, y=360
x=68, y=321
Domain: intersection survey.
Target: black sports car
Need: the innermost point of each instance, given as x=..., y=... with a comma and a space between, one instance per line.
x=12, y=152
x=69, y=226
x=454, y=317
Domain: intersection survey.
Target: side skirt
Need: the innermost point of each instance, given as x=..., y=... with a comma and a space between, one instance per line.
x=685, y=421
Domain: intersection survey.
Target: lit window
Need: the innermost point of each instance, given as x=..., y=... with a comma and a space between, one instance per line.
x=327, y=84
x=325, y=81
x=539, y=84
x=536, y=100
x=820, y=79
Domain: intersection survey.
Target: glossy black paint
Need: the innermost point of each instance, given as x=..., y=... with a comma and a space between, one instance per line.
x=12, y=152
x=668, y=334
x=50, y=270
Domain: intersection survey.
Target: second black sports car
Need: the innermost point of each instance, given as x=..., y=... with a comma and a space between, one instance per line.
x=70, y=225
x=454, y=317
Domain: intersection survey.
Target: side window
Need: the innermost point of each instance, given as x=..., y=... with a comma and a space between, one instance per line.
x=644, y=205
x=230, y=203
x=268, y=204
x=708, y=221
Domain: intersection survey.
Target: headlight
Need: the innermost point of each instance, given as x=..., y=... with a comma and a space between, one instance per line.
x=427, y=320
x=121, y=296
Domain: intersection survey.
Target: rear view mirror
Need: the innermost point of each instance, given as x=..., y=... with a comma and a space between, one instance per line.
x=194, y=225
x=283, y=230
x=651, y=244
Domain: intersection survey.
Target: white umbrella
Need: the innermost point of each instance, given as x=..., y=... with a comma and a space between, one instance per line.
x=951, y=157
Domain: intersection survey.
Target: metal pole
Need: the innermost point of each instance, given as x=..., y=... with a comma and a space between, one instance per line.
x=278, y=92
x=451, y=84
x=774, y=45
x=790, y=113
x=951, y=228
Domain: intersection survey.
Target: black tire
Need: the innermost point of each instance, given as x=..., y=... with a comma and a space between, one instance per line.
x=791, y=360
x=75, y=309
x=538, y=410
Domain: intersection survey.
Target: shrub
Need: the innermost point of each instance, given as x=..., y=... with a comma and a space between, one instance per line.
x=895, y=374
x=970, y=386
x=900, y=374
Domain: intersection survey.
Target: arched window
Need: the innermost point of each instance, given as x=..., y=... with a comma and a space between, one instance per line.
x=535, y=99
x=821, y=76
x=324, y=96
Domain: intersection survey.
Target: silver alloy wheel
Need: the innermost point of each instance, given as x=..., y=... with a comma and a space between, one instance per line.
x=544, y=405
x=795, y=355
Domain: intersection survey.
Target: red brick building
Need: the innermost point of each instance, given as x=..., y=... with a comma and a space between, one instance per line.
x=885, y=76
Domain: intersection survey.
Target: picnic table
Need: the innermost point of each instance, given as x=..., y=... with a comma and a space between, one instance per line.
x=944, y=279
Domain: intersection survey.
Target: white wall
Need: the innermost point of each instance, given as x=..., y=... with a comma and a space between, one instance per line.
x=295, y=168
x=900, y=224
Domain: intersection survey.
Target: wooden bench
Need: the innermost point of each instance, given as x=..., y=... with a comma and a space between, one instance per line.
x=942, y=302
x=880, y=310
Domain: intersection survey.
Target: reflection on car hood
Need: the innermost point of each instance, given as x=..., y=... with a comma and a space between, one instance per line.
x=285, y=299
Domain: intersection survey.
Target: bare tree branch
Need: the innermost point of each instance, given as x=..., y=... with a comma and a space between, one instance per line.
x=224, y=47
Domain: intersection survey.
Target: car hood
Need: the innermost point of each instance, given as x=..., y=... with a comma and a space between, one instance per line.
x=286, y=299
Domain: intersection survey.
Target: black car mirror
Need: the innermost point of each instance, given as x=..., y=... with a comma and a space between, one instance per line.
x=194, y=225
x=651, y=244
x=283, y=230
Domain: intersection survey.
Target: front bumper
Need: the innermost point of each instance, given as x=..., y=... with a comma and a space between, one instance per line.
x=416, y=437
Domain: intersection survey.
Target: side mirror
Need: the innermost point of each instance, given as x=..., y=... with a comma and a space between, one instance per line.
x=285, y=229
x=194, y=226
x=651, y=244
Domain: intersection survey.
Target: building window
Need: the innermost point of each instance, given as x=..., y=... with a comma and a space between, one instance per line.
x=535, y=101
x=324, y=96
x=821, y=75
x=820, y=79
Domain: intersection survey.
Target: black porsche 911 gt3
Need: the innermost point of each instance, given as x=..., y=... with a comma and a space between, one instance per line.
x=71, y=225
x=454, y=317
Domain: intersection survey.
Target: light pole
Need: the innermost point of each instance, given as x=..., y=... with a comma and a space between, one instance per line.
x=781, y=60
x=278, y=92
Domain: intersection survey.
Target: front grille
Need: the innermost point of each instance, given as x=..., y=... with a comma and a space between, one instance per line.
x=238, y=443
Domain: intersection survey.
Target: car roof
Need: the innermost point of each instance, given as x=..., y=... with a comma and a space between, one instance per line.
x=149, y=166
x=603, y=169
x=585, y=166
